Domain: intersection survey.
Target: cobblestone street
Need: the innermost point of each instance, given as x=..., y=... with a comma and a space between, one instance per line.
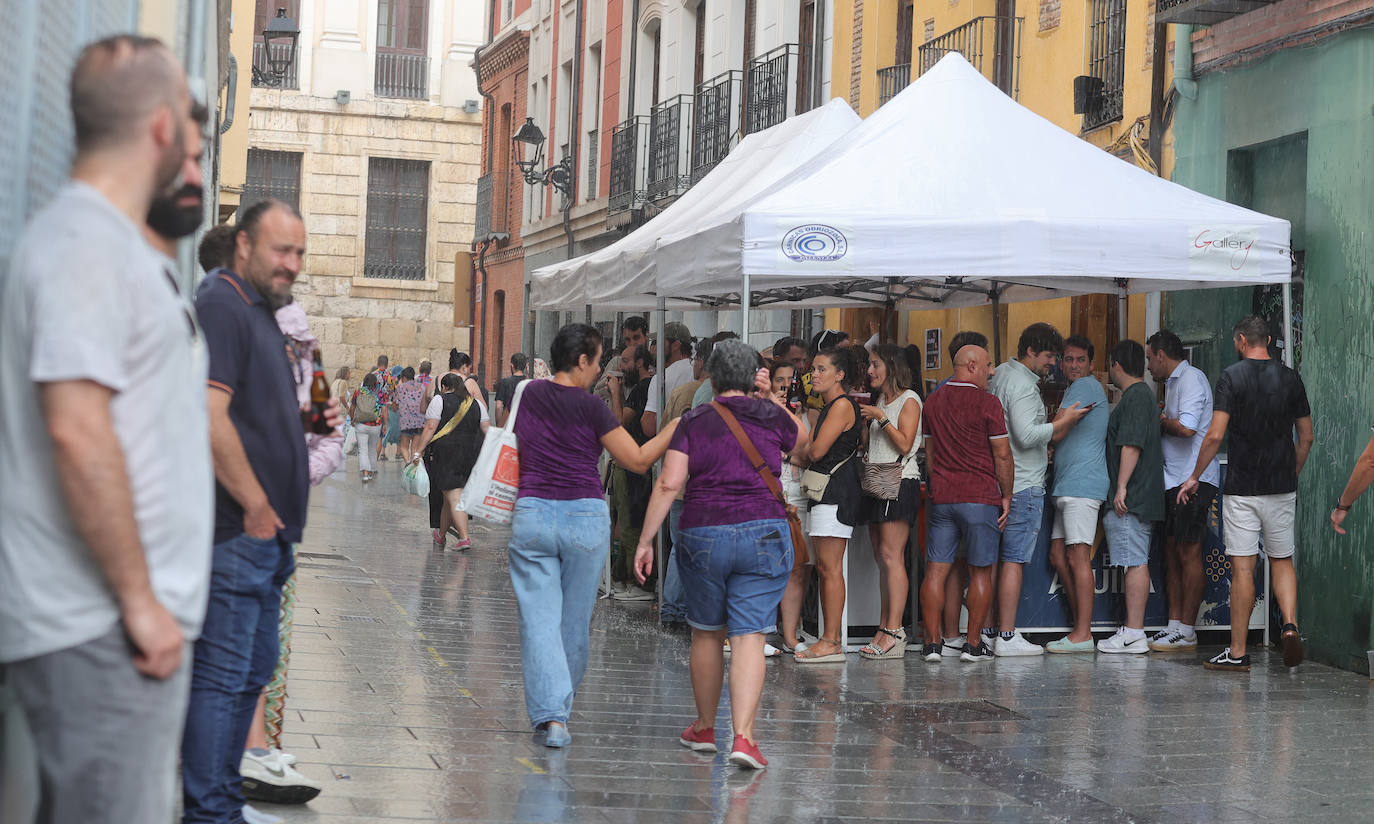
x=405, y=699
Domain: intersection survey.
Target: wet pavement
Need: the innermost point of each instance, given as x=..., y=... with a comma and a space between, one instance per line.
x=405, y=699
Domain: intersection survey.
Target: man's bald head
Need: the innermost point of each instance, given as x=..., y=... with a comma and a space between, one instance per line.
x=972, y=364
x=118, y=84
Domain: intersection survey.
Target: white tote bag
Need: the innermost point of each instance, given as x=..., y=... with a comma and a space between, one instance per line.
x=495, y=478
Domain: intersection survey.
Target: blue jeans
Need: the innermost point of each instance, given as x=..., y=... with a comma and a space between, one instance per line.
x=233, y=661
x=734, y=574
x=1023, y=525
x=674, y=607
x=557, y=552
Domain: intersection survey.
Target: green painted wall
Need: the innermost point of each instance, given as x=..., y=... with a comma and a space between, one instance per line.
x=1325, y=93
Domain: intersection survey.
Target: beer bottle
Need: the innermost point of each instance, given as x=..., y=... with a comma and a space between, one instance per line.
x=796, y=398
x=319, y=400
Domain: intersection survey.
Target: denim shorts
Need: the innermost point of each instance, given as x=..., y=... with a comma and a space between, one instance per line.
x=733, y=575
x=1128, y=539
x=1024, y=520
x=974, y=524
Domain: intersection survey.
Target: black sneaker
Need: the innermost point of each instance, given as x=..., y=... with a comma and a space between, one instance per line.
x=930, y=652
x=982, y=652
x=1224, y=661
x=1292, y=645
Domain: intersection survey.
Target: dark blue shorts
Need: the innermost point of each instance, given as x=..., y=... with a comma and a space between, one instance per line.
x=974, y=524
x=733, y=575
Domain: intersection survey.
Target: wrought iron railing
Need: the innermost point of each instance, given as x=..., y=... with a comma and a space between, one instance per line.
x=1106, y=61
x=715, y=121
x=991, y=44
x=629, y=151
x=289, y=80
x=670, y=145
x=774, y=88
x=593, y=164
x=402, y=75
x=892, y=80
x=493, y=204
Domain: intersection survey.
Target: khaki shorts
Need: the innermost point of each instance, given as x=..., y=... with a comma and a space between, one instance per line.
x=1245, y=518
x=1075, y=520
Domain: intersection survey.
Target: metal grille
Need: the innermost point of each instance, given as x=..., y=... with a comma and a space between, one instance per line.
x=397, y=211
x=272, y=174
x=669, y=147
x=892, y=80
x=1106, y=60
x=991, y=44
x=290, y=80
x=492, y=202
x=629, y=149
x=402, y=75
x=593, y=163
x=770, y=95
x=715, y=120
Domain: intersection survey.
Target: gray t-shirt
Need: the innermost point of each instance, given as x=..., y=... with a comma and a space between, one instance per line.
x=85, y=298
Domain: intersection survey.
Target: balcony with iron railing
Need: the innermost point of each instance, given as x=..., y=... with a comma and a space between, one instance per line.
x=629, y=156
x=775, y=88
x=715, y=121
x=991, y=44
x=493, y=204
x=1204, y=12
x=403, y=75
x=289, y=80
x=670, y=148
x=892, y=80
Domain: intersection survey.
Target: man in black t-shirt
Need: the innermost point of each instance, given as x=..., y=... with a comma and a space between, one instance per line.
x=505, y=388
x=1260, y=402
x=629, y=490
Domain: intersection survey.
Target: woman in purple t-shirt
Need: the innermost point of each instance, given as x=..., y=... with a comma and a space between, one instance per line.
x=561, y=531
x=734, y=551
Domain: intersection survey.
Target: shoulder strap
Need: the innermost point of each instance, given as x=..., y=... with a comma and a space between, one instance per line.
x=455, y=420
x=751, y=452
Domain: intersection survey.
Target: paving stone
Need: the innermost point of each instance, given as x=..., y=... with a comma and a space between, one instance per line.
x=405, y=699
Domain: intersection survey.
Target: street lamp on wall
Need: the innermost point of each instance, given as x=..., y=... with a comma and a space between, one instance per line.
x=559, y=176
x=282, y=33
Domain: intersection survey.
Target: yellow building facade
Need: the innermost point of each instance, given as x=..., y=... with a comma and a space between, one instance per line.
x=1108, y=43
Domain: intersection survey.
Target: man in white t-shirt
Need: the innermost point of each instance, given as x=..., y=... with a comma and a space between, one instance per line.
x=105, y=551
x=676, y=371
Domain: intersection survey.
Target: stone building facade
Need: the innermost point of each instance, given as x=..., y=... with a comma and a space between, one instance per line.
x=376, y=135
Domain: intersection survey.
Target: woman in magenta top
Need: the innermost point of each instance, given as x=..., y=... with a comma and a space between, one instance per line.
x=734, y=550
x=561, y=532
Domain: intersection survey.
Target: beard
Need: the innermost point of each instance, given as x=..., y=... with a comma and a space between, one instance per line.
x=170, y=219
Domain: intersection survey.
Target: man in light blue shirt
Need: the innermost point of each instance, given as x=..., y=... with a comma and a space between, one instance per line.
x=1080, y=487
x=1017, y=385
x=1183, y=425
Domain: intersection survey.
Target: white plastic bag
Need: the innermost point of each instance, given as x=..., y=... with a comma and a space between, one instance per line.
x=495, y=479
x=350, y=444
x=415, y=479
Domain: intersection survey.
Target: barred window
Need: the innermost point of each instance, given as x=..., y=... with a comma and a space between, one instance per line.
x=397, y=211
x=272, y=174
x=1106, y=60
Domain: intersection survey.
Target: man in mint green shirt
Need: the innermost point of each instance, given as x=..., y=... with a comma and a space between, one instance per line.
x=1017, y=385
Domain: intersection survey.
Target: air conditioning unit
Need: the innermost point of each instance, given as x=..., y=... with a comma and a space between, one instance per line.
x=1087, y=93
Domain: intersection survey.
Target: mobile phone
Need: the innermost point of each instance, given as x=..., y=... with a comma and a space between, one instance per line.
x=1089, y=406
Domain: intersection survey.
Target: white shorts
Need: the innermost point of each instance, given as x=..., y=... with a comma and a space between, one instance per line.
x=1245, y=518
x=1075, y=520
x=825, y=523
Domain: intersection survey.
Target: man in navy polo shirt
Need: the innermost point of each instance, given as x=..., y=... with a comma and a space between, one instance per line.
x=261, y=487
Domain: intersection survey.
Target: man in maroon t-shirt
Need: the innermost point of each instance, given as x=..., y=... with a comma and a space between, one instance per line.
x=970, y=484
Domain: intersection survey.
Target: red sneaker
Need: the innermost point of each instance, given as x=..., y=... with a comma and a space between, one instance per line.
x=698, y=740
x=745, y=753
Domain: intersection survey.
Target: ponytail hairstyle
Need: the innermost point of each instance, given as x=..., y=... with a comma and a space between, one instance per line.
x=457, y=360
x=854, y=365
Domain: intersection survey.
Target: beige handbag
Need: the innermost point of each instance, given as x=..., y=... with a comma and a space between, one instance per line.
x=813, y=483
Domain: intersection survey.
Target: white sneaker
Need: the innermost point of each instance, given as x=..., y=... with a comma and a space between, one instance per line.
x=1015, y=646
x=1118, y=644
x=271, y=777
x=1174, y=641
x=252, y=816
x=633, y=593
x=952, y=649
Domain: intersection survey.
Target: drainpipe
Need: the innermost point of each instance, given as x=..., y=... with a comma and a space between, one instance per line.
x=634, y=54
x=480, y=247
x=574, y=125
x=1183, y=61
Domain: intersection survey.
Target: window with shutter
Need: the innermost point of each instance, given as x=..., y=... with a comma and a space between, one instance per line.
x=905, y=20
x=272, y=174
x=402, y=46
x=397, y=213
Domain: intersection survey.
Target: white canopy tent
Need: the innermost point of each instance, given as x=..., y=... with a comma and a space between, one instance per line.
x=622, y=275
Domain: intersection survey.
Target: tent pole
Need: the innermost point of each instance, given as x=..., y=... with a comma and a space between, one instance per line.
x=997, y=326
x=744, y=310
x=1288, y=335
x=1122, y=308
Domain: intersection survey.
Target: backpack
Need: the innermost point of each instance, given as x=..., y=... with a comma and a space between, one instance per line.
x=366, y=409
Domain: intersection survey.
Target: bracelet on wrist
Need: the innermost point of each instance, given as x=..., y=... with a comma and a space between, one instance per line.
x=1342, y=507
